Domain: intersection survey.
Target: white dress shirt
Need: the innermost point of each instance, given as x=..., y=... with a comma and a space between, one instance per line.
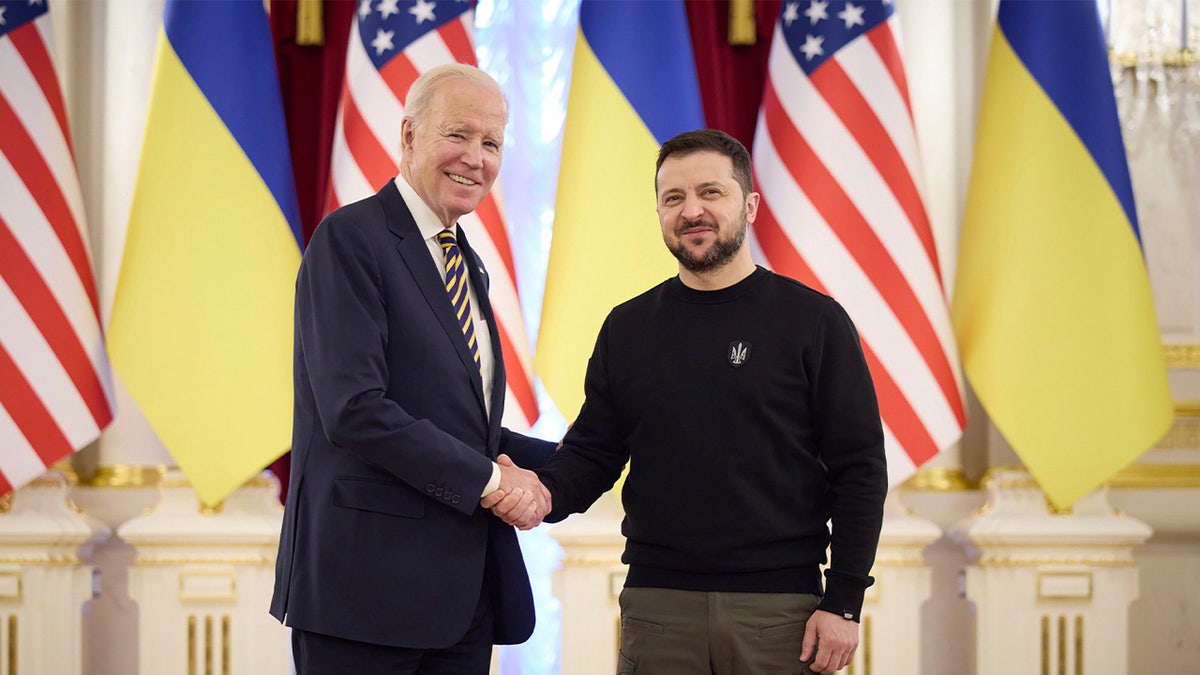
x=430, y=227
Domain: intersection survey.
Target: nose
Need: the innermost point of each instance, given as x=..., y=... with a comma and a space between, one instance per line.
x=473, y=154
x=691, y=208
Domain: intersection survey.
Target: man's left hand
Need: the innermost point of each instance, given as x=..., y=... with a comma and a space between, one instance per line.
x=834, y=638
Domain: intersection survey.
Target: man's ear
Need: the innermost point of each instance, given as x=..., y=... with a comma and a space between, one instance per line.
x=406, y=133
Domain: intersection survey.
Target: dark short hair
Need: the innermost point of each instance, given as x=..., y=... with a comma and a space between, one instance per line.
x=716, y=141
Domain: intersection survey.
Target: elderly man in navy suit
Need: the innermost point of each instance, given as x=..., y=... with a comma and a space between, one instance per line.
x=388, y=562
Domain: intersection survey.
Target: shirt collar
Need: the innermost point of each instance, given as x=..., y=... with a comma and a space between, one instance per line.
x=427, y=222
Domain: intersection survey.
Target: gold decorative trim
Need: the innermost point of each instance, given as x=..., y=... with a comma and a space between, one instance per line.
x=191, y=645
x=208, y=645
x=127, y=476
x=1177, y=59
x=6, y=502
x=1156, y=477
x=996, y=560
x=12, y=645
x=64, y=467
x=48, y=560
x=150, y=560
x=1182, y=356
x=938, y=479
x=1025, y=481
x=226, y=641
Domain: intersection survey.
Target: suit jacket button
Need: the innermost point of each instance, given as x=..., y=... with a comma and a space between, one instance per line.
x=430, y=488
x=438, y=492
x=455, y=500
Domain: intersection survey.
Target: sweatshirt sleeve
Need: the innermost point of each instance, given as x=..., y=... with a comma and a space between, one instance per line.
x=850, y=439
x=592, y=455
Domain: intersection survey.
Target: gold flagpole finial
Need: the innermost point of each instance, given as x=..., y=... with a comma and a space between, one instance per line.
x=742, y=29
x=310, y=23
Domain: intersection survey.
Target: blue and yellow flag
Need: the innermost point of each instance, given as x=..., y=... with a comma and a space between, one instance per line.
x=1052, y=304
x=201, y=329
x=633, y=86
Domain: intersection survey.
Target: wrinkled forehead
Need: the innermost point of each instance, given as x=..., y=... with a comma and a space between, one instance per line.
x=470, y=105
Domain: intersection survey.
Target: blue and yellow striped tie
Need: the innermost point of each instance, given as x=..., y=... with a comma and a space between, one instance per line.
x=456, y=288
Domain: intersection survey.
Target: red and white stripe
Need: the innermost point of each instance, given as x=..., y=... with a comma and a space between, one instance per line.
x=836, y=162
x=55, y=382
x=366, y=155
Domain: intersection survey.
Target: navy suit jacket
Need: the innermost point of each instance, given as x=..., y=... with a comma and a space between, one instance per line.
x=383, y=538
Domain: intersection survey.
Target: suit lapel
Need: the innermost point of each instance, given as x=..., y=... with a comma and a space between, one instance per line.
x=415, y=252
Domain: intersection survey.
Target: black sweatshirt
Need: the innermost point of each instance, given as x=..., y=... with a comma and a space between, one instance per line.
x=750, y=420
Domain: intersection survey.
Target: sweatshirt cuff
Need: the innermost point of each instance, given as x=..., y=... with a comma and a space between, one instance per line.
x=844, y=594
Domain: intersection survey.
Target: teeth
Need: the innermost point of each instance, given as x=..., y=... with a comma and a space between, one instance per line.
x=459, y=179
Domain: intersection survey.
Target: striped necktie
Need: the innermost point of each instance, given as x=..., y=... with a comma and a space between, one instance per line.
x=456, y=288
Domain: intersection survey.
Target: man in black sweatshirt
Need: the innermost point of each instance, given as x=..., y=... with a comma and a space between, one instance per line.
x=743, y=403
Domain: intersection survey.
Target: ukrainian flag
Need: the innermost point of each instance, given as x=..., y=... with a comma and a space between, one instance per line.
x=1052, y=305
x=201, y=328
x=633, y=86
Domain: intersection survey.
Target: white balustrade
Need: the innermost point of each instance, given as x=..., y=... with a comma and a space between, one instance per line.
x=1051, y=591
x=43, y=583
x=202, y=580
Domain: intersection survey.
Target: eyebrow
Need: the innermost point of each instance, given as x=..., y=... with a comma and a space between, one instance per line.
x=701, y=186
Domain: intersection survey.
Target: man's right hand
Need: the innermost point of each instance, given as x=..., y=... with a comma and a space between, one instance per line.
x=521, y=500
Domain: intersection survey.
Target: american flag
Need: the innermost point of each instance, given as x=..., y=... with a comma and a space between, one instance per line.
x=391, y=43
x=55, y=383
x=836, y=161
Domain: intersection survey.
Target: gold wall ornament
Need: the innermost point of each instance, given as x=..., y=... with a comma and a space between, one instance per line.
x=1014, y=560
x=49, y=560
x=1180, y=58
x=1156, y=477
x=868, y=630
x=127, y=476
x=191, y=645
x=6, y=502
x=163, y=560
x=1182, y=356
x=12, y=644
x=1184, y=433
x=938, y=479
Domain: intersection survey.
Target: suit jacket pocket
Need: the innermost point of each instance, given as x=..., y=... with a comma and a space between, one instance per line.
x=380, y=496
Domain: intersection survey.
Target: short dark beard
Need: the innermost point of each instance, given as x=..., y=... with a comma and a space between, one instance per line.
x=717, y=257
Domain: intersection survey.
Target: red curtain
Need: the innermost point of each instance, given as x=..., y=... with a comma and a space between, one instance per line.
x=731, y=76
x=310, y=79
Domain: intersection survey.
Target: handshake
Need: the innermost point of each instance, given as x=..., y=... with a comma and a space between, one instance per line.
x=521, y=500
